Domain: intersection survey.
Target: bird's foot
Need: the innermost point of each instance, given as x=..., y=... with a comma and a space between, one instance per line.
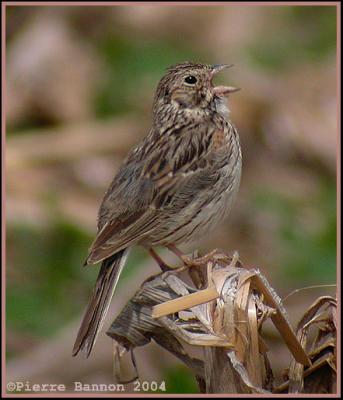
x=194, y=260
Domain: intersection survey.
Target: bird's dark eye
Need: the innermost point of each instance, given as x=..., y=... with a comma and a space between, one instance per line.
x=191, y=80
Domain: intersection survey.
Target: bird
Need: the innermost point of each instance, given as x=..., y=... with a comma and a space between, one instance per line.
x=173, y=188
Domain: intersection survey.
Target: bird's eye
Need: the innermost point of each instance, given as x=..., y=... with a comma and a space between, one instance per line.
x=191, y=80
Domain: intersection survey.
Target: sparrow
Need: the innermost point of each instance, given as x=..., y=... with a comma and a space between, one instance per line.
x=174, y=187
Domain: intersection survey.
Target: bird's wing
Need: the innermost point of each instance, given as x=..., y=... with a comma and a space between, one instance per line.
x=125, y=213
x=152, y=176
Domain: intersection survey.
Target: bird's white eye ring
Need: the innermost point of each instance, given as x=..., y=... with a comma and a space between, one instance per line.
x=191, y=80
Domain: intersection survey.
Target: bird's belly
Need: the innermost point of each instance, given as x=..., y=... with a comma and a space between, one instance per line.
x=201, y=217
x=209, y=217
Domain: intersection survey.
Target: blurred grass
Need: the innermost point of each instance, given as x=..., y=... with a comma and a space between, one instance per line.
x=308, y=251
x=47, y=292
x=52, y=286
x=128, y=63
x=305, y=34
x=179, y=379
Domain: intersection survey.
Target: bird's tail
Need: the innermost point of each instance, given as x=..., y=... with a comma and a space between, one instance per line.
x=97, y=308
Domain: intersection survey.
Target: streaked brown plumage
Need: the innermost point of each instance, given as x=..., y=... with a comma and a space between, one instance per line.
x=174, y=187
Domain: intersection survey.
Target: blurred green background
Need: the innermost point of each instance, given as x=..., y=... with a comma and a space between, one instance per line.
x=80, y=84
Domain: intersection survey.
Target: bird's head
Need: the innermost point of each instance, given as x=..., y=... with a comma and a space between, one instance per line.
x=190, y=86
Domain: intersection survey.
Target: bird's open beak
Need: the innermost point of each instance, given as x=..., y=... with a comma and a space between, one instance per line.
x=219, y=67
x=222, y=90
x=225, y=90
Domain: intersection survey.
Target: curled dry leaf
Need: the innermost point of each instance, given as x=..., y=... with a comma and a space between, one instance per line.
x=320, y=377
x=225, y=318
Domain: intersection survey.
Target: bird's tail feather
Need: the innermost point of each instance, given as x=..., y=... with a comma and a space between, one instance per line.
x=97, y=308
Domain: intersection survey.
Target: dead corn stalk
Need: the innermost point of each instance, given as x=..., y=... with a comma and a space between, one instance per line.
x=222, y=309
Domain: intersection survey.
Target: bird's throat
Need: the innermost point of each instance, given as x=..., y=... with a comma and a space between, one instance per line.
x=222, y=107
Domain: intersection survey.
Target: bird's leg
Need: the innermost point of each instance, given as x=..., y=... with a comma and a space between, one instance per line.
x=188, y=261
x=164, y=267
x=204, y=259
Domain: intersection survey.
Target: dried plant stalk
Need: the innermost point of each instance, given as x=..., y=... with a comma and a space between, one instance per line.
x=181, y=303
x=320, y=377
x=225, y=316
